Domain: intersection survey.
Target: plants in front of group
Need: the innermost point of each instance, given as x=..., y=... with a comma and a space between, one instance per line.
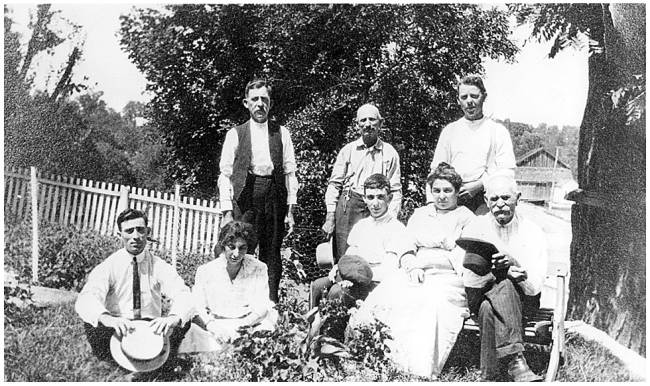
x=291, y=353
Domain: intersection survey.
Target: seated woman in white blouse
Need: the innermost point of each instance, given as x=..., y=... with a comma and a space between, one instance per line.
x=232, y=290
x=425, y=305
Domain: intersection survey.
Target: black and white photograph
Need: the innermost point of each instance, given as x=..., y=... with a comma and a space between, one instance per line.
x=324, y=192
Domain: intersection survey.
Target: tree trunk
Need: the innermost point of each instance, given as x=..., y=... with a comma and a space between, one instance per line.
x=608, y=260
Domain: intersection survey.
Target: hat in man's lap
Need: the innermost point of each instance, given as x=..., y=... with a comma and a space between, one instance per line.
x=140, y=350
x=478, y=254
x=355, y=269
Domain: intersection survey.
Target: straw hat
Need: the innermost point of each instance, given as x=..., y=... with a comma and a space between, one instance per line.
x=325, y=254
x=141, y=350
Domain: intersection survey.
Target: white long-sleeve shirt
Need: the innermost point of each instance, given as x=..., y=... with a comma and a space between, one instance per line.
x=215, y=295
x=109, y=289
x=522, y=239
x=381, y=242
x=261, y=163
x=465, y=145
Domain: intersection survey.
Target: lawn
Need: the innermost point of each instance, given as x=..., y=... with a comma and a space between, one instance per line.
x=49, y=345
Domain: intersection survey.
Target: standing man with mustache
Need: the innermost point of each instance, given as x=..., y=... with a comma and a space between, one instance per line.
x=258, y=183
x=354, y=164
x=475, y=145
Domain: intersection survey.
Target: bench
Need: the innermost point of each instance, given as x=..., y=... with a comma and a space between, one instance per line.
x=545, y=330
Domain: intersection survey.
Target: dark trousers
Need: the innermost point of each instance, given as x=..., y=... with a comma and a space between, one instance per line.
x=501, y=309
x=349, y=210
x=474, y=203
x=348, y=296
x=264, y=205
x=100, y=337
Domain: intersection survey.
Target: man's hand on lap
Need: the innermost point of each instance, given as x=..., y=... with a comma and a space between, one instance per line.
x=119, y=324
x=164, y=324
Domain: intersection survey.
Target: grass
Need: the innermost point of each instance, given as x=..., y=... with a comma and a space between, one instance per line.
x=50, y=345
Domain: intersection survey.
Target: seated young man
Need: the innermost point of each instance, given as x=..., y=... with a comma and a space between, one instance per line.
x=379, y=240
x=108, y=302
x=501, y=305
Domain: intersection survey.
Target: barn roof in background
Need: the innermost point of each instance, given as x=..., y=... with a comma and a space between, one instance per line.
x=524, y=159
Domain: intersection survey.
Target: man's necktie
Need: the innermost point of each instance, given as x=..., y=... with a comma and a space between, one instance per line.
x=136, y=290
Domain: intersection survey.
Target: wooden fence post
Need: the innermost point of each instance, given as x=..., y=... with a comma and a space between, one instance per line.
x=177, y=215
x=34, y=186
x=122, y=204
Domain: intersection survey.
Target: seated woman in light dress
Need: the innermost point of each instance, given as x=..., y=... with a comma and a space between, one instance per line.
x=232, y=290
x=424, y=305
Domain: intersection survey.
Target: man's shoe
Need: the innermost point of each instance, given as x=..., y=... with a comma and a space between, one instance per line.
x=520, y=372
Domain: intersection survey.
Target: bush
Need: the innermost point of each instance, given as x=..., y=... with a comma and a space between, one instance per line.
x=66, y=254
x=18, y=305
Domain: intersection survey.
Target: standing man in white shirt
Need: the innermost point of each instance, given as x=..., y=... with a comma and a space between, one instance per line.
x=356, y=162
x=501, y=305
x=475, y=145
x=108, y=302
x=258, y=183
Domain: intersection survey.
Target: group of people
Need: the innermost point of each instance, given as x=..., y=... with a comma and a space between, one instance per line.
x=410, y=277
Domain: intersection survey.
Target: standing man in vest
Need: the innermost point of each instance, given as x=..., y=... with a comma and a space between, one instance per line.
x=356, y=162
x=258, y=179
x=476, y=146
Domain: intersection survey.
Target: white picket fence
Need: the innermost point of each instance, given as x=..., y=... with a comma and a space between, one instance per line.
x=179, y=223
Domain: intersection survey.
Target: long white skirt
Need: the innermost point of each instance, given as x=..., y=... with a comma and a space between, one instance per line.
x=424, y=319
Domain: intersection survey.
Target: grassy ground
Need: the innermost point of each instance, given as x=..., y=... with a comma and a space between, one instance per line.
x=49, y=345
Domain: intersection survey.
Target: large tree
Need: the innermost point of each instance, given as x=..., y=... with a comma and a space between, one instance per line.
x=324, y=61
x=608, y=255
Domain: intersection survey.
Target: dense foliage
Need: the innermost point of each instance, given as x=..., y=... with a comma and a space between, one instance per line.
x=324, y=61
x=78, y=137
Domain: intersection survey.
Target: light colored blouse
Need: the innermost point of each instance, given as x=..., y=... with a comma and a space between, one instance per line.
x=216, y=296
x=434, y=237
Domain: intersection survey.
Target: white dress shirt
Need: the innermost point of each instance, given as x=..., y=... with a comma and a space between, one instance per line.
x=109, y=289
x=261, y=163
x=381, y=242
x=520, y=238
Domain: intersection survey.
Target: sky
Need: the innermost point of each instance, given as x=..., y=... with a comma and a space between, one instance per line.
x=532, y=90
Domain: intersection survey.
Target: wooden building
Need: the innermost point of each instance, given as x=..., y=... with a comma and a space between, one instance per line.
x=538, y=173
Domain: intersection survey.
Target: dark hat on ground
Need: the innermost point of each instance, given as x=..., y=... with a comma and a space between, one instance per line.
x=355, y=269
x=478, y=254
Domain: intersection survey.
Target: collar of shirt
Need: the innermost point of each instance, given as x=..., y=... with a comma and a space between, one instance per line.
x=475, y=124
x=383, y=219
x=359, y=145
x=505, y=231
x=139, y=258
x=259, y=126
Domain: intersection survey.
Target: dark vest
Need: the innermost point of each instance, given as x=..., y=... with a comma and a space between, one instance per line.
x=243, y=158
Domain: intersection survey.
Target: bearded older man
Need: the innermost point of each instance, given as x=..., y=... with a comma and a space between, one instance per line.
x=501, y=305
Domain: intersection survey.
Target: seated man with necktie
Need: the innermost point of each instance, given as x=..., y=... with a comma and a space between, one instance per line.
x=129, y=285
